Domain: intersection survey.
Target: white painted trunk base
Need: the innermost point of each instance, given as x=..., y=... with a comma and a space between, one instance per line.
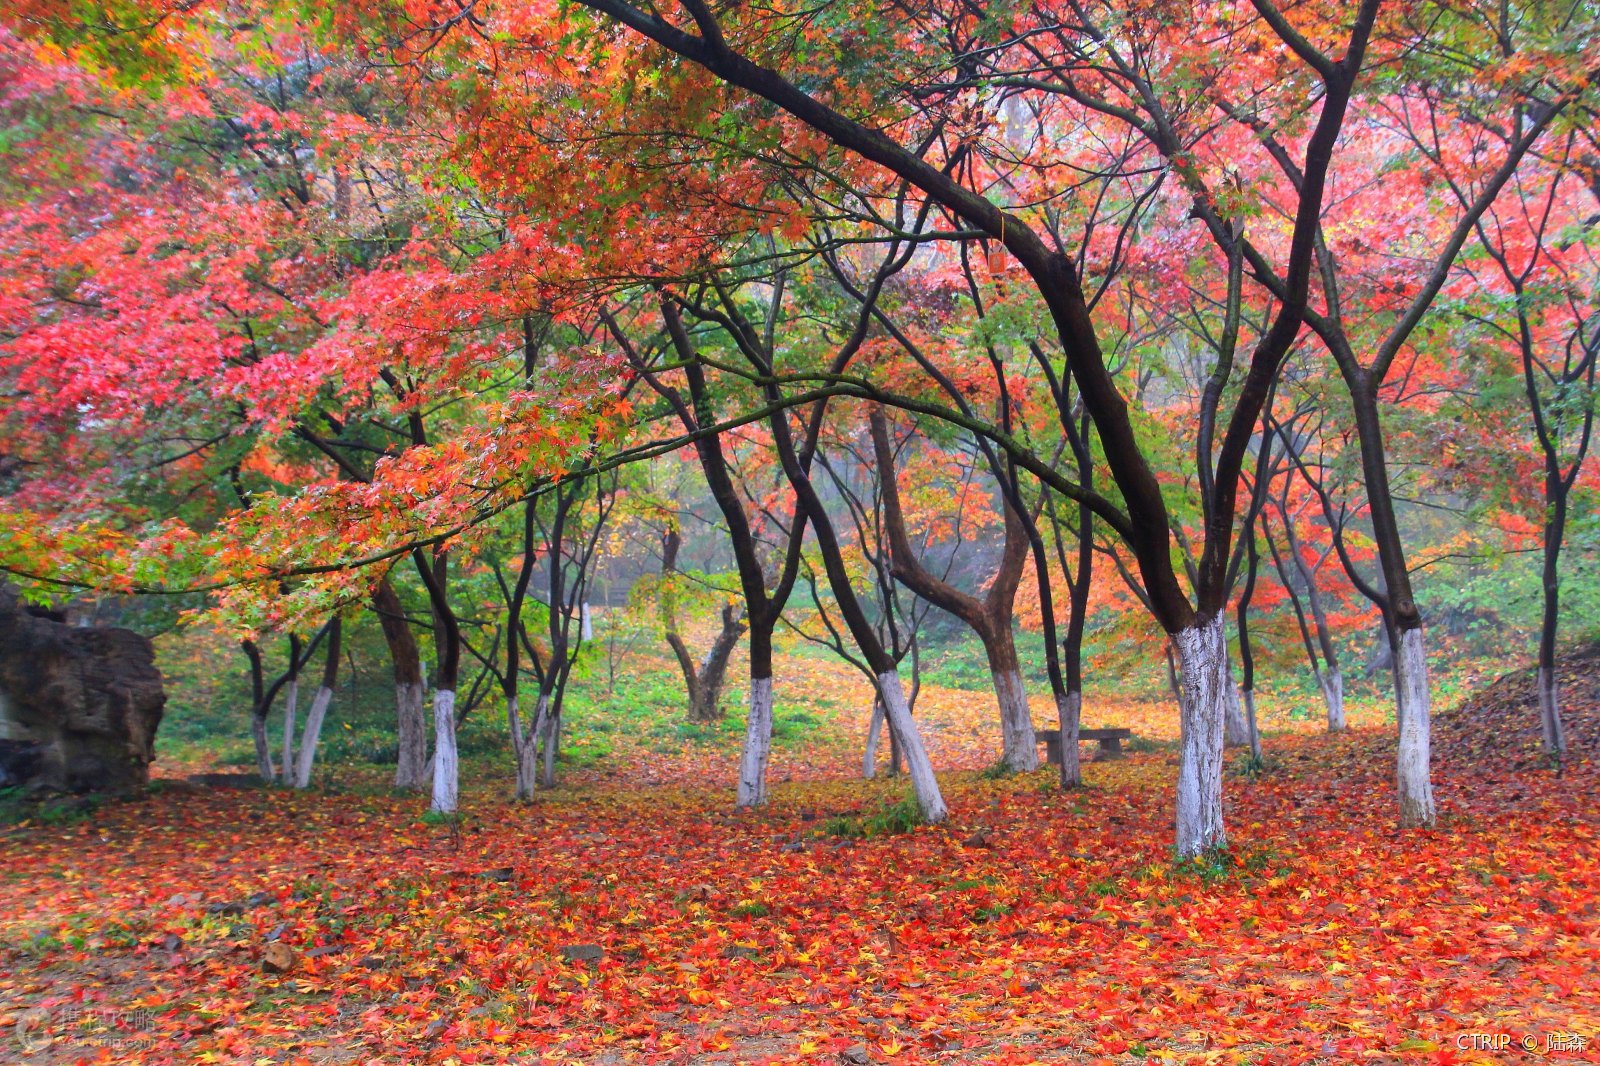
x=1555, y=733
x=411, y=766
x=869, y=758
x=313, y=733
x=923, y=782
x=446, y=766
x=291, y=696
x=1019, y=751
x=1207, y=690
x=1413, y=772
x=1069, y=712
x=1332, y=683
x=757, y=745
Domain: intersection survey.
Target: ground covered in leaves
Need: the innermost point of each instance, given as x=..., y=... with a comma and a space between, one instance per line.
x=613, y=921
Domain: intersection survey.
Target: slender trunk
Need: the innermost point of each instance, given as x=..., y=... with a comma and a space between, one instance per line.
x=1203, y=655
x=757, y=745
x=869, y=760
x=1235, y=726
x=1550, y=724
x=1019, y=749
x=1069, y=711
x=307, y=755
x=1247, y=654
x=1413, y=772
x=291, y=696
x=923, y=783
x=411, y=720
x=319, y=707
x=258, y=712
x=1173, y=682
x=446, y=770
x=1329, y=677
x=1249, y=697
x=1403, y=626
x=549, y=744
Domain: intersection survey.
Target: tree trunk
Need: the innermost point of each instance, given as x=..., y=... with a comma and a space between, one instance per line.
x=757, y=745
x=1249, y=697
x=1203, y=656
x=924, y=784
x=1069, y=711
x=291, y=696
x=1550, y=725
x=1235, y=726
x=714, y=667
x=1411, y=690
x=1332, y=684
x=258, y=733
x=258, y=712
x=869, y=759
x=411, y=721
x=1019, y=750
x=527, y=749
x=446, y=771
x=313, y=733
x=549, y=745
x=319, y=707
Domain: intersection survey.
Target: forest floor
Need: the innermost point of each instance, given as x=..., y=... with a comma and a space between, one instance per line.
x=631, y=916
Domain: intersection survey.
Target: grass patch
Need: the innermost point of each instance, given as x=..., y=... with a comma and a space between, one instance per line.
x=890, y=819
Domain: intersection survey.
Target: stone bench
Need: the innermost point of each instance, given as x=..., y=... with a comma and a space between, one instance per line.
x=1110, y=742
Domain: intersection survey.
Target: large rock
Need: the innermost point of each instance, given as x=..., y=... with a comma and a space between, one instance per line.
x=78, y=706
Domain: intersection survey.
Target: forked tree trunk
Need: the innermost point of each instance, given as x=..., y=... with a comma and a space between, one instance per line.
x=1412, y=757
x=446, y=767
x=757, y=745
x=714, y=666
x=989, y=617
x=923, y=782
x=1203, y=657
